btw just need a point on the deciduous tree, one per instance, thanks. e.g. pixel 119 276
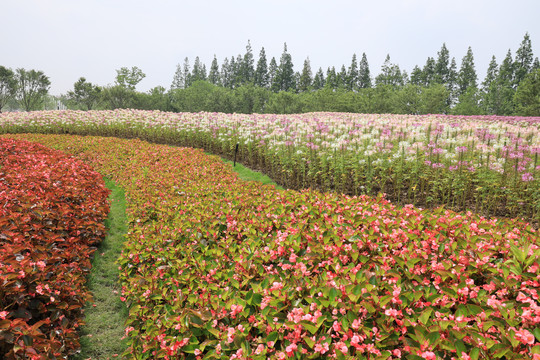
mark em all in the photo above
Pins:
pixel 129 78
pixel 32 87
pixel 85 94
pixel 8 86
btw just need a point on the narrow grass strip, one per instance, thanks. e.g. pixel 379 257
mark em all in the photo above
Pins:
pixel 101 337
pixel 249 175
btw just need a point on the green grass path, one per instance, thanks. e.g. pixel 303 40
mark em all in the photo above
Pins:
pixel 101 336
pixel 247 174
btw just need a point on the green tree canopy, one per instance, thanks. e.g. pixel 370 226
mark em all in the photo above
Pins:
pixel 32 88
pixel 85 94
pixel 527 97
pixel 8 85
pixel 129 78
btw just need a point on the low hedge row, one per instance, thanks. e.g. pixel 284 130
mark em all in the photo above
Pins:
pixel 218 268
pixel 52 208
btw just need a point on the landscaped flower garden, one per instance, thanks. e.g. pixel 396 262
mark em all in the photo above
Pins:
pixel 218 268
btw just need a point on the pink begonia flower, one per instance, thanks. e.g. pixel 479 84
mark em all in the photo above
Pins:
pixel 3 314
pixel 291 349
pixel 525 337
pixel 429 355
pixel 260 349
pixel 321 348
pixel 397 353
pixel 464 356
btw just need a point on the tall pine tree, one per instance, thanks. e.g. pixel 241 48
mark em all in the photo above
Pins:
pixel 352 75
pixel 178 79
pixel 428 72
pixel 364 76
pixel 331 78
pixel 226 79
pixel 272 73
pixel 247 69
pixel 187 74
pixel 318 80
pixel 491 74
pixel 467 74
pixel 213 75
pixel 261 73
pixel 488 100
pixel 285 79
pixel 441 66
pixel 305 80
pixel 524 60
pixel 390 74
pixel 535 65
pixel 417 76
pixel 199 71
pixel 342 77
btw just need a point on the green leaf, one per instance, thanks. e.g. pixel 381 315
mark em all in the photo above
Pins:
pixel 424 317
pixel 309 326
pixel 536 333
pixel 272 336
pixel 256 299
pixel 333 294
pixel 460 347
pixel 433 337
pixel 475 353
pixel 474 309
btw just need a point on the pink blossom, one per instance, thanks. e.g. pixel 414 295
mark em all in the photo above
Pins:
pixel 429 355
pixel 291 349
pixel 3 314
pixel 259 349
pixel 527 177
pixel 321 348
pixel 525 337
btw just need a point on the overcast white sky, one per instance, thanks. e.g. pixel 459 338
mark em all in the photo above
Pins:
pixel 68 39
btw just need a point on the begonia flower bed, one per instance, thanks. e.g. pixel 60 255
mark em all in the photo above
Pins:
pixel 52 212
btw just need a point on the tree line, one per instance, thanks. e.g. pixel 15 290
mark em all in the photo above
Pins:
pixel 242 85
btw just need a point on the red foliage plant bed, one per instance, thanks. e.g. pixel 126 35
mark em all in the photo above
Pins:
pixel 52 209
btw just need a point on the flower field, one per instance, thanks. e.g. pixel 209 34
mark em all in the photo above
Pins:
pixel 52 209
pixel 218 268
pixel 486 164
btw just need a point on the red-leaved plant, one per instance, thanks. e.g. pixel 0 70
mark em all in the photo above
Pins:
pixel 52 209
